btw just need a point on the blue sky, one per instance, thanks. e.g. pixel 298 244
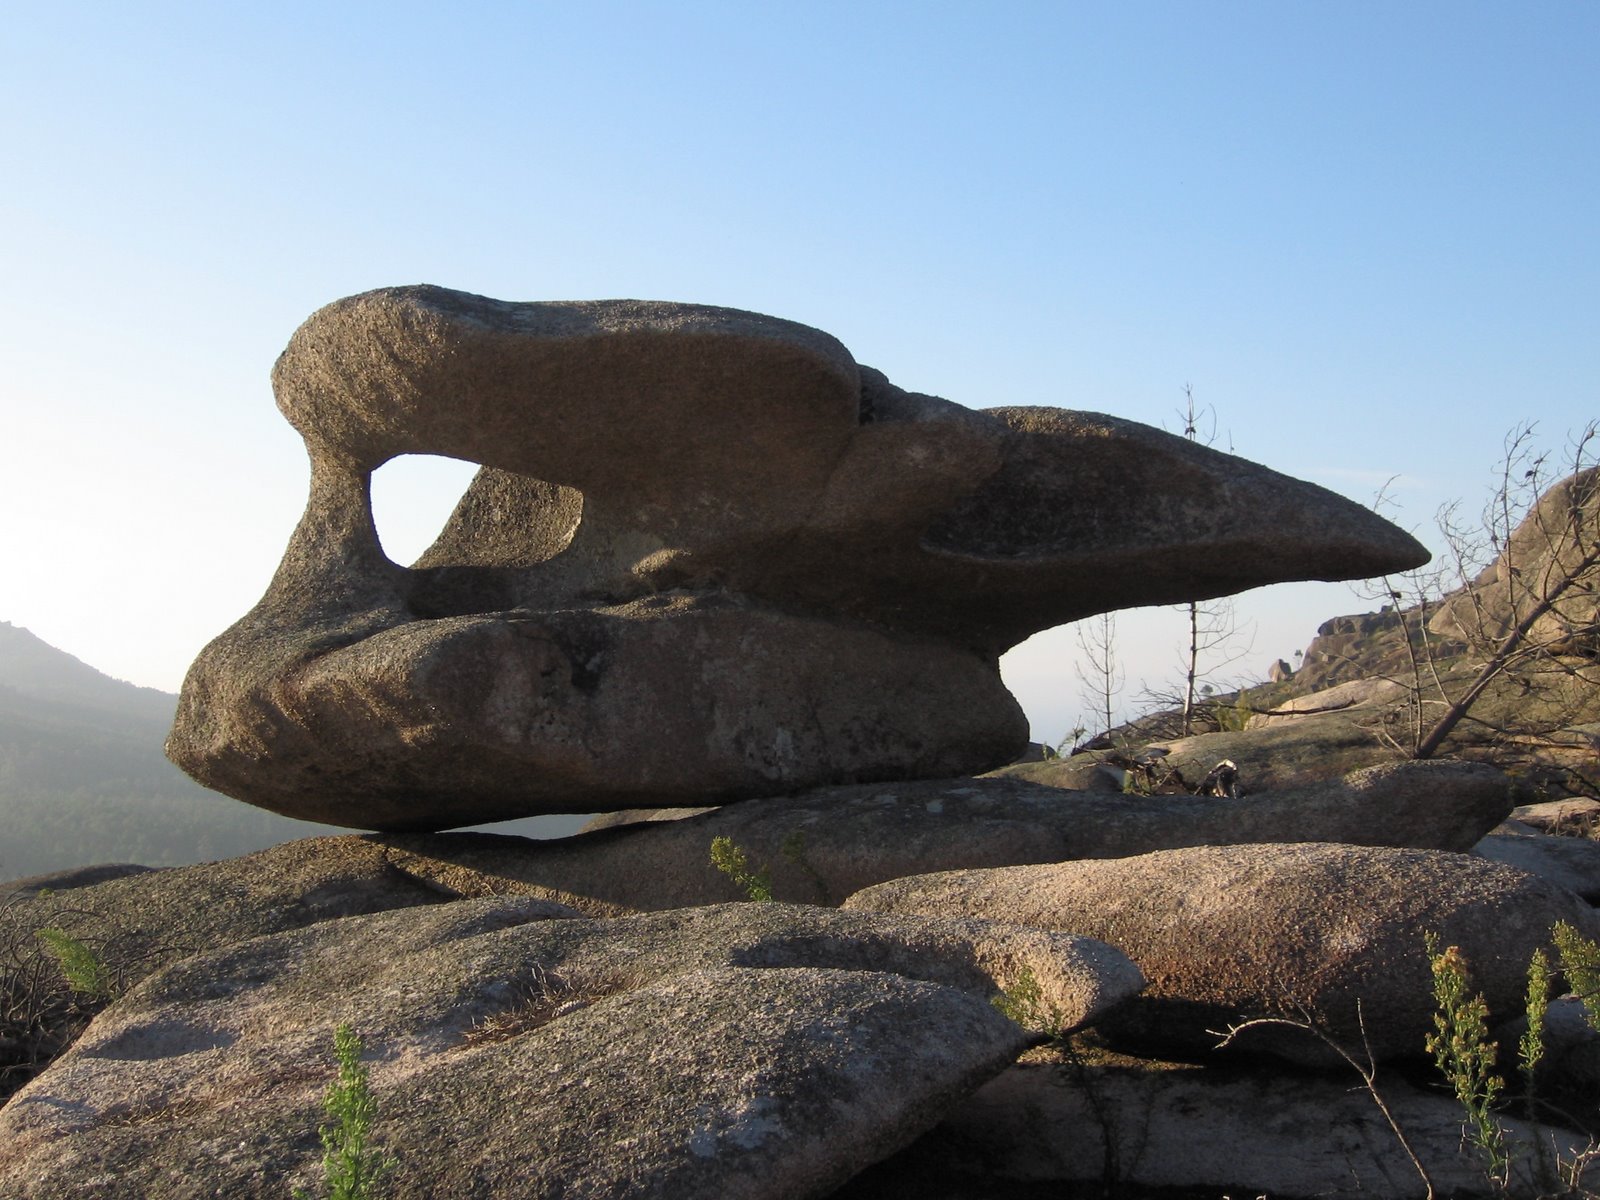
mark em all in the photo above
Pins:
pixel 1365 233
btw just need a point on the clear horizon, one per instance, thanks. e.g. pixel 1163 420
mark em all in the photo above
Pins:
pixel 1366 235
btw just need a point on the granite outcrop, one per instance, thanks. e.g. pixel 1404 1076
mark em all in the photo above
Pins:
pixel 708 555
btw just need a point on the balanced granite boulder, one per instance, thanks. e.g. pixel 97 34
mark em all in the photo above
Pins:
pixel 708 556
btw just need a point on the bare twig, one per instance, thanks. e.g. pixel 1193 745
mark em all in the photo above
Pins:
pixel 1367 1069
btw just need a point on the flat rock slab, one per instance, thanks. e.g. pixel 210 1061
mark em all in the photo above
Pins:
pixel 1569 862
pixel 1202 1131
pixel 1574 812
pixel 141 919
pixel 825 845
pixel 708 555
pixel 1225 933
pixel 746 1050
pixel 1353 694
pixel 70 878
pixel 820 848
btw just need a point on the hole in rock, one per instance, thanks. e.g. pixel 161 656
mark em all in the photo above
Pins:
pixel 412 497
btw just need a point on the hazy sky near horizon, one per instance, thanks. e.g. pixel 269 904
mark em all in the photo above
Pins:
pixel 1365 233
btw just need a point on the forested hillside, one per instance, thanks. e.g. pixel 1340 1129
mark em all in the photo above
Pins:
pixel 83 778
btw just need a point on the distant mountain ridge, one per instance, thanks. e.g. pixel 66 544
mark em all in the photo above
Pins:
pixel 84 779
pixel 66 727
pixel 31 667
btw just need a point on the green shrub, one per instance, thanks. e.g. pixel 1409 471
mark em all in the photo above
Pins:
pixel 1530 1049
pixel 731 861
pixel 84 970
pixel 351 1166
pixel 1023 1002
pixel 1465 1056
pixel 1580 963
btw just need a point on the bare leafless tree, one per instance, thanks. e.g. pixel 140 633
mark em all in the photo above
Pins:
pixel 1531 610
pixel 1215 643
pixel 1099 671
pixel 1213 625
pixel 1511 604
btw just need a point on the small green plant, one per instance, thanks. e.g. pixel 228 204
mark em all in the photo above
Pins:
pixel 793 848
pixel 1465 1056
pixel 53 982
pixel 1530 1048
pixel 351 1166
pixel 1580 963
pixel 728 858
pixel 1232 718
pixel 1530 1052
pixel 1023 1002
pixel 84 970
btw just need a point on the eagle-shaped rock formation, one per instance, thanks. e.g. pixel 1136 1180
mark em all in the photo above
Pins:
pixel 708 556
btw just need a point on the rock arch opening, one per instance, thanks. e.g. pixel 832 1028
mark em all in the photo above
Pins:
pixel 412 498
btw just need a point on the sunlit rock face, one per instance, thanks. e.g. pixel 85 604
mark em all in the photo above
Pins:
pixel 708 556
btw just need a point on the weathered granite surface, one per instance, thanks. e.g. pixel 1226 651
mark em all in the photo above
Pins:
pixel 1043 1127
pixel 823 845
pixel 743 1050
pixel 1332 933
